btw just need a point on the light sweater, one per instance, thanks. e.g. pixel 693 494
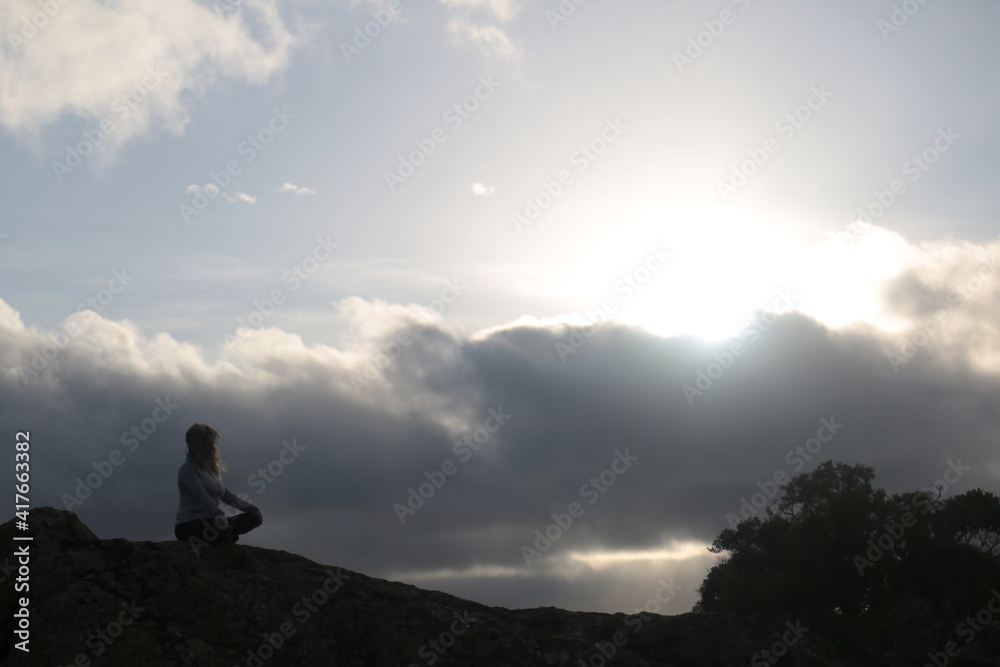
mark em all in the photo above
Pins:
pixel 201 492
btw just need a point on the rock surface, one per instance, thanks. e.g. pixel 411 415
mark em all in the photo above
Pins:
pixel 116 602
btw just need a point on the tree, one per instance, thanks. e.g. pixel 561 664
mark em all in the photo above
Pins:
pixel 972 518
pixel 800 558
pixel 834 546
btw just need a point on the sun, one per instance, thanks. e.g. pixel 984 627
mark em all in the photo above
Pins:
pixel 728 265
pixel 704 269
pixel 723 265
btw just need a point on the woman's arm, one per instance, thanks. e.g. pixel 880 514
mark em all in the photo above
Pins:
pixel 233 500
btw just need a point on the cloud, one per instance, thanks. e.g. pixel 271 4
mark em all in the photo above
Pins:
pixel 240 197
pixel 212 190
pixel 503 10
pixel 476 25
pixel 483 190
pixel 381 415
pixel 295 190
pixel 490 40
pixel 377 320
pixel 151 58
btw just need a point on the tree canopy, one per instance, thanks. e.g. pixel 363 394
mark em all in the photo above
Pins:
pixel 834 546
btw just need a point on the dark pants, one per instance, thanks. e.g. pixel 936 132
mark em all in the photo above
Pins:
pixel 202 532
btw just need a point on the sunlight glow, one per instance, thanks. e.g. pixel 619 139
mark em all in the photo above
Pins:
pixel 727 264
pixel 674 552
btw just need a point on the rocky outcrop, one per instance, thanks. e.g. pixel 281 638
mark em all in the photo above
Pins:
pixel 116 602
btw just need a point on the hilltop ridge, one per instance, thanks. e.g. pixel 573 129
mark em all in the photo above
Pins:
pixel 117 602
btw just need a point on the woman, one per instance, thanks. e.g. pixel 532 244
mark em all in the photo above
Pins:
pixel 199 517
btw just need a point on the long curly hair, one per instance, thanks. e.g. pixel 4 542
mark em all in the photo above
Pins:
pixel 202 447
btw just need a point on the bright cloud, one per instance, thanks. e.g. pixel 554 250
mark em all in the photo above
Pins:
pixel 491 40
pixel 288 188
pixel 724 266
pixel 483 190
pixel 212 190
pixel 503 10
pixel 151 57
pixel 367 448
pixel 240 197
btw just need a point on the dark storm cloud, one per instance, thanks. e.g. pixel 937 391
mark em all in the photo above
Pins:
pixel 350 456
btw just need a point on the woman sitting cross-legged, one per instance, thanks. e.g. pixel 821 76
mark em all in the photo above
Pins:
pixel 200 520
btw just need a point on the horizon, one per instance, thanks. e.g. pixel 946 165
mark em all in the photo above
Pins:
pixel 521 301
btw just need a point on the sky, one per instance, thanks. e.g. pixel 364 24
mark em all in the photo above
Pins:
pixel 519 300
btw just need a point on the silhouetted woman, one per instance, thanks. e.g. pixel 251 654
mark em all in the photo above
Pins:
pixel 199 480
